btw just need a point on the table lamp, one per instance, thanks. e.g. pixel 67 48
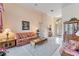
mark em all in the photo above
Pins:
pixel 7 31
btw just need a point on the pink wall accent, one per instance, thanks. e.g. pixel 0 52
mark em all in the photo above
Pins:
pixel 1 22
pixel 1 7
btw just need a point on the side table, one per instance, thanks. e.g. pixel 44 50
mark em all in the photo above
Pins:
pixel 7 44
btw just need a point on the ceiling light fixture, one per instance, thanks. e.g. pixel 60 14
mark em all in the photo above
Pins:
pixel 36 4
pixel 51 10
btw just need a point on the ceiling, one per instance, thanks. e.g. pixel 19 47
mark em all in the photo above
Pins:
pixel 53 9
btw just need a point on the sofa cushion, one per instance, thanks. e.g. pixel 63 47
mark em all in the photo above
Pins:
pixel 72 44
pixel 28 34
pixel 77 45
pixel 24 35
pixel 32 34
pixel 20 35
pixel 17 36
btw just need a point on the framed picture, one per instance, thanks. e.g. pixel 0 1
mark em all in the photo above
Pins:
pixel 25 25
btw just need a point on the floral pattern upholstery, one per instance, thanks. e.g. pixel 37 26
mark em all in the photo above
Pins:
pixel 24 38
pixel 70 48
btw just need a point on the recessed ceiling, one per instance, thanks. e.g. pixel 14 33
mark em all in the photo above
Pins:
pixel 53 9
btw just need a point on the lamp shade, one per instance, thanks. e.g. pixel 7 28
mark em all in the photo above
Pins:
pixel 77 33
pixel 7 31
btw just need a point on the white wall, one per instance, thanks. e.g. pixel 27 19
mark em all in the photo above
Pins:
pixel 70 11
pixel 47 20
pixel 14 14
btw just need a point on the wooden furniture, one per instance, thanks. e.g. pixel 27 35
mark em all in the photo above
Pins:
pixel 7 44
pixel 70 28
pixel 37 41
pixel 66 54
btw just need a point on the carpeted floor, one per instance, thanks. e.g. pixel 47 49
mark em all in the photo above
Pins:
pixel 46 49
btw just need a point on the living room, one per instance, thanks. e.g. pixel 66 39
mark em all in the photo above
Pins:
pixel 39 29
pixel 22 19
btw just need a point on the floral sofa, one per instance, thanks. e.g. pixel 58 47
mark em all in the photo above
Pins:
pixel 24 38
pixel 70 48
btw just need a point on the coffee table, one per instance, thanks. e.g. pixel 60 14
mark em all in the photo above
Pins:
pixel 37 41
